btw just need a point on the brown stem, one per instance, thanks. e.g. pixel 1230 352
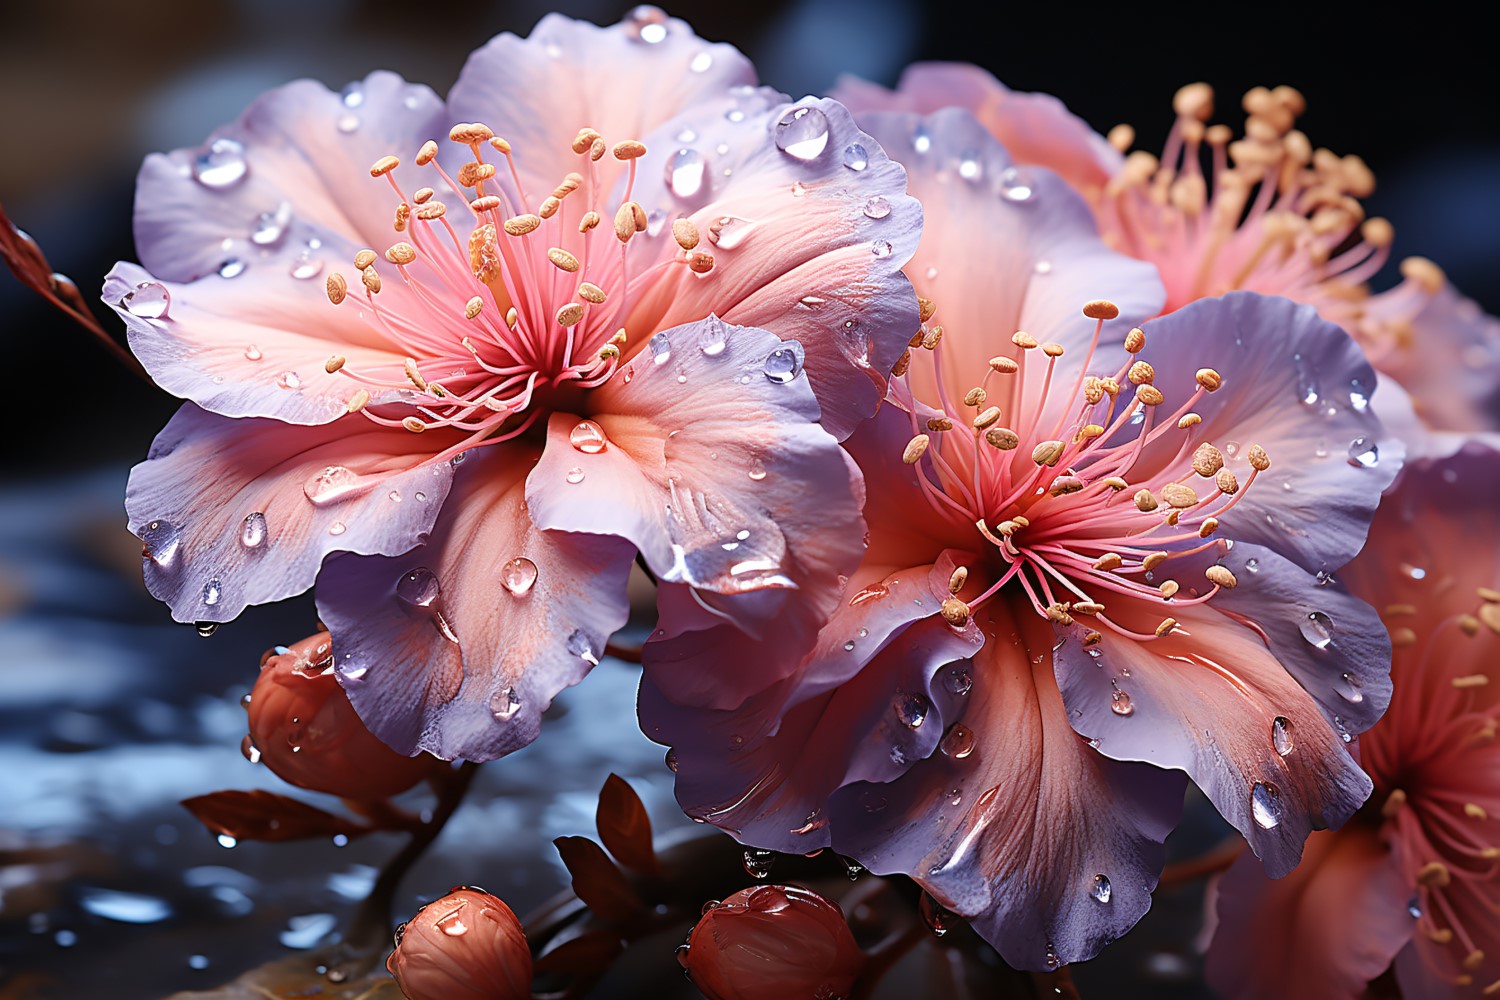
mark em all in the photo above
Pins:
pixel 1212 862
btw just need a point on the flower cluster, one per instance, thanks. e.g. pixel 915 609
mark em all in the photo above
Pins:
pixel 996 482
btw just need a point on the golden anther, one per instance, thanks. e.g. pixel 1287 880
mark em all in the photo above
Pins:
pixel 1423 272
pixel 484 252
pixel 1207 527
pixel 502 146
pixel 931 337
pixel 469 133
pixel 488 203
pixel 1004 366
pixel 597 150
pixel 1166 626
pixel 1093 389
pixel 432 210
pixel 975 397
pixel 1441 935
pixel 1101 309
pixel 569 184
pixel 1402 637
pixel 624 223
pixel 1110 386
pixel 1149 395
pixel 1493 989
pixel 1122 137
pixel 1135 340
pixel 1108 561
pixel 1490 615
pixel 619 336
pixel 1023 340
pixel 1394 610
pixel 549 206
pixel 570 314
pixel 1188 420
pixel 700 262
pixel 1489 594
pixel 1220 576
pixel 563 260
pixel 1259 460
pixel 384 165
pixel 371 279
pixel 1153 560
pixel 1093 638
pixel 685 233
pixel 1393 803
pixel 1115 483
pixel 1179 495
pixel 410 365
pixel 1196 100
pixel 364 259
pixel 1087 608
pixel 1169 589
pixel 427 153
pixel 939 424
pixel 915 449
pixel 590 292
pixel 1474 959
pixel 520 225
pixel 925 309
pixel 337 288
pixel 1207 460
pixel 413 424
pixel 589 221
pixel 1063 485
pixel 903 363
pixel 1002 438
pixel 1173 516
pixel 1052 350
pixel 358 400
pixel 1008 527
pixel 401 253
pixel 1475 811
pixel 1470 681
pixel 584 141
pixel 334 363
pixel 1209 379
pixel 1141 373
pixel 1048 453
pixel 512 317
pixel 473 307
pixel 958 579
pixel 403 217
pixel 1088 432
pixel 1434 875
pixel 639 214
pixel 1226 482
pixel 608 352
pixel 1059 613
pixel 956 612
pixel 1145 501
pixel 630 149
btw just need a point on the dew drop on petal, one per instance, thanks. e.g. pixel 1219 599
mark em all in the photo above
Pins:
pixel 588 438
pixel 578 644
pixel 518 576
pixel 1101 889
pixel 348 123
pixel 1317 629
pixel 881 248
pixel 1265 805
pixel 957 742
pixel 1282 735
pixel 877 207
pixel 160 539
pixel 253 530
pixel 220 165
pixel 912 709
pixel 728 231
pixel 148 300
pixel 1120 703
pixel 305 266
pixel 574 476
pixel 270 227
pixel 232 267
pixel 1252 565
pixel 938 918
pixel 1363 453
pixel 288 380
pixel 1017 185
pixel 856 157
pixel 969 167
pixel 212 591
pixel 353 95
pixel 958 679
pixel 785 363
pixel 758 862
pixel 419 588
pixel 1350 689
pixel 207 629
pixel 504 704
pixel 757 470
pixel 647 24
pixel 671 759
pixel 660 347
pixel 701 62
pixel 333 484
pixel 920 140
pixel 802 133
pixel 252 353
pixel 684 172
pixel 713 338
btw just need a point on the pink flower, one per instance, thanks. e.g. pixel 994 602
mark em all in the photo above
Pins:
pixel 1413 880
pixel 772 942
pixel 466 946
pixel 303 728
pixel 634 311
pixel 1264 212
pixel 1093 548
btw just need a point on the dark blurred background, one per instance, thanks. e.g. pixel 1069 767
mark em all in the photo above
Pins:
pixel 109 713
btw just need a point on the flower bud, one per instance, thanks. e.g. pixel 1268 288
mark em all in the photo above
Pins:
pixel 772 942
pixel 303 728
pixel 466 946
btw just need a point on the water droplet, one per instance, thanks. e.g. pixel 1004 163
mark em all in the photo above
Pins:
pixel 1120 703
pixel 1363 453
pixel 1017 185
pixel 1265 805
pixel 734 115
pixel 1350 689
pixel 1359 396
pixel 160 539
pixel 757 470
pixel 226 841
pixel 422 496
pixel 574 476
pixel 856 157
pixel 337 528
pixel 305 266
pixel 701 62
pixel 1307 382
pixel 802 133
pixel 419 588
pixel 206 629
pixel 588 438
pixel 1252 565
pixel 578 644
pixel 288 380
pixel 785 363
pixel 252 353
pixel 660 347
pixel 220 164
pixel 939 919
pixel 958 741
pixel 968 165
pixel 920 140
pixel 504 704
pixel 881 248
pixel 671 759
pixel 758 862
pixel 1101 889
pixel 148 300
pixel 713 338
pixel 270 227
pixel 518 576
pixel 1282 733
pixel 212 591
pixel 728 231
pixel 1344 733
pixel 1414 908
pixel 124 907
pixel 232 267
pixel 452 925
pixel 1050 959
pixel 250 750
pixel 348 123
pixel 958 679
pixel 684 172
pixel 1317 629
pixel 912 709
pixel 647 24
pixel 333 484
pixel 199 962
pixel 877 207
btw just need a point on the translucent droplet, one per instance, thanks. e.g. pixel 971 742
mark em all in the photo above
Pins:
pixel 1252 565
pixel 305 266
pixel 1120 703
pixel 1414 908
pixel 574 476
pixel 1101 889
pixel 1350 689
pixel 231 267
pixel 1359 396
pixel 881 248
pixel 1017 185
pixel 1344 733
pixel 671 759
pixel 504 704
pixel 920 140
pixel 1363 453
pixel 1307 382
pixel 938 918
pixel 849 646
pixel 912 709
pixel 660 347
pixel 877 207
pixel 333 484
pixel 1282 733
pixel 1043 267
pixel 348 123
pixel 701 62
pixel 206 629
pixel 220 164
pixel 856 157
pixel 452 925
pixel 713 338
pixel 757 470
pixel 252 353
pixel 968 165
pixel 588 438
pixel 1265 805
pixel 353 95
pixel 226 841
pixel 1317 629
pixel 250 750
pixel 728 231
pixel 578 644
pixel 288 380
pixel 758 862
pixel 785 363
pixel 1050 959
pixel 148 300
pixel 159 540
pixel 271 227
pixel 419 588
pixel 802 133
pixel 958 741
pixel 647 24
pixel 958 679
pixel 684 172
pixel 212 591
pixel 518 576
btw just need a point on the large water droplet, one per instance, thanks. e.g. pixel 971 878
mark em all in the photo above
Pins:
pixel 958 679
pixel 684 172
pixel 958 741
pixel 1363 453
pixel 1101 889
pixel 969 167
pixel 206 629
pixel 647 24
pixel 938 918
pixel 1120 703
pixel 921 141
pixel 212 591
pixel 701 62
pixel 148 300
pixel 578 644
pixel 253 530
pixel 881 248
pixel 1282 735
pixel 574 476
pixel 452 925
pixel 758 862
pixel 728 231
pixel 220 164
pixel 518 576
pixel 1265 805
pixel 660 347
pixel 253 353
pixel 912 709
pixel 160 539
pixel 504 704
pixel 1317 629
pixel 271 227
pixel 757 470
pixel 856 157
pixel 419 588
pixel 671 759
pixel 588 438
pixel 1017 185
pixel 877 207
pixel 1307 383
pixel 232 267
pixel 1350 689
pixel 785 363
pixel 333 484
pixel 305 266
pixel 802 133
pixel 348 123
pixel 714 337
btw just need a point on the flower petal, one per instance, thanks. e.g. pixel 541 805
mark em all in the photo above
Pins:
pixel 1036 128
pixel 1050 848
pixel 240 512
pixel 1325 930
pixel 458 646
pixel 808 224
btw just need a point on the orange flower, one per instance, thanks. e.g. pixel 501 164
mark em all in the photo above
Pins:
pixel 466 945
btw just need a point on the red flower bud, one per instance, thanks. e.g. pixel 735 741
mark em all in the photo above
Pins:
pixel 303 728
pixel 466 946
pixel 772 942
